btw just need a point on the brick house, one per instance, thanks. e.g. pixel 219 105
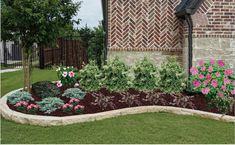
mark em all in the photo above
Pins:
pixel 138 28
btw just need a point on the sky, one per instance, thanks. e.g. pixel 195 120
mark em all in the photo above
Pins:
pixel 90 13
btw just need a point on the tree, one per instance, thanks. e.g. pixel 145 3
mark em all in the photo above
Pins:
pixel 35 21
pixel 96 46
pixel 85 36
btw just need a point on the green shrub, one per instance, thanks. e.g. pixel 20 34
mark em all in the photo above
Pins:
pixel 49 105
pixel 144 75
pixel 171 76
pixel 45 89
pixel 74 93
pixel 89 77
pixel 19 96
pixel 116 76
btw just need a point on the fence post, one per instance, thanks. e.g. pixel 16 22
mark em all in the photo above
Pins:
pixel 41 58
pixel 4 53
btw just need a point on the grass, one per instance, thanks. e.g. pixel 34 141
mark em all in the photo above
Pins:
pixel 14 80
pixel 143 128
pixel 148 128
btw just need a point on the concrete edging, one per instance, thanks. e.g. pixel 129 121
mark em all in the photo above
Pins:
pixel 18 117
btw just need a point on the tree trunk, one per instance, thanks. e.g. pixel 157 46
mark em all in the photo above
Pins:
pixel 26 61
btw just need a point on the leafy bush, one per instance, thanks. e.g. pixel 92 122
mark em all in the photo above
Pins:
pixel 67 75
pixel 74 93
pixel 144 75
pixel 155 98
pixel 171 76
pixel 103 101
pixel 116 76
pixel 89 77
pixel 45 89
pixel 51 104
pixel 216 81
pixel 130 99
pixel 19 96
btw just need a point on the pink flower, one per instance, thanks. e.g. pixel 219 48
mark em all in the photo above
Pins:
pixel 78 107
pixel 74 100
pixel 233 92
pixel 76 85
pixel 193 71
pixel 67 106
pixel 226 81
pixel 71 74
pixel 205 91
pixel 228 72
pixel 196 83
pixel 65 73
pixel 214 83
pixel 217 74
pixel 220 94
pixel 212 61
pixel 24 103
pixel 32 106
pixel 221 63
pixel 233 83
pixel 201 62
pixel 201 76
pixel 205 82
pixel 203 68
pixel 59 84
pixel 208 76
pixel 223 88
pixel 210 69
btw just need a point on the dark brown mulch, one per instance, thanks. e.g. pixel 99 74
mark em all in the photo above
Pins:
pixel 198 101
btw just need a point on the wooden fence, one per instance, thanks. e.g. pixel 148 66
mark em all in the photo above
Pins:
pixel 67 52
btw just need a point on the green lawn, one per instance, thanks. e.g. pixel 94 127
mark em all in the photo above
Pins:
pixel 14 80
pixel 143 128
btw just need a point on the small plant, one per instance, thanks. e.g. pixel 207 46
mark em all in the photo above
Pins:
pixel 44 89
pixel 144 75
pixel 216 81
pixel 130 99
pixel 32 108
pixel 89 77
pixel 116 76
pixel 21 106
pixel 155 98
pixel 103 101
pixel 19 96
pixel 172 76
pixel 67 108
pixel 67 75
pixel 79 109
pixel 74 93
pixel 183 101
pixel 49 105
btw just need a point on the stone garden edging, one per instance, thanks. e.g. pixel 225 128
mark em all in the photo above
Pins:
pixel 18 117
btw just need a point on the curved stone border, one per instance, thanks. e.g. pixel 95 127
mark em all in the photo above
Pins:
pixel 9 114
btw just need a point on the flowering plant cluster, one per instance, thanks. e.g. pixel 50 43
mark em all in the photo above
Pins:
pixel 67 76
pixel 216 81
pixel 24 106
pixel 73 105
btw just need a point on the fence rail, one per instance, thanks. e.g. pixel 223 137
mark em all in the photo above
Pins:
pixel 11 55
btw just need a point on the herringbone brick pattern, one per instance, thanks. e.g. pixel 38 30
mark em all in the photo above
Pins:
pixel 144 25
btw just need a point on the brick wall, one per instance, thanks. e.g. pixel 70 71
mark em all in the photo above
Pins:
pixel 151 26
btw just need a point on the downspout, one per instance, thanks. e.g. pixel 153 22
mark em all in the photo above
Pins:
pixel 190 42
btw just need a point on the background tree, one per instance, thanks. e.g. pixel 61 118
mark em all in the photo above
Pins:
pixel 96 46
pixel 35 21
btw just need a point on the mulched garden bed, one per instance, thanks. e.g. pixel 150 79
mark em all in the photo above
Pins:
pixel 198 102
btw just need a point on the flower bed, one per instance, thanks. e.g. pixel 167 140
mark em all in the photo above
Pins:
pixel 92 90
